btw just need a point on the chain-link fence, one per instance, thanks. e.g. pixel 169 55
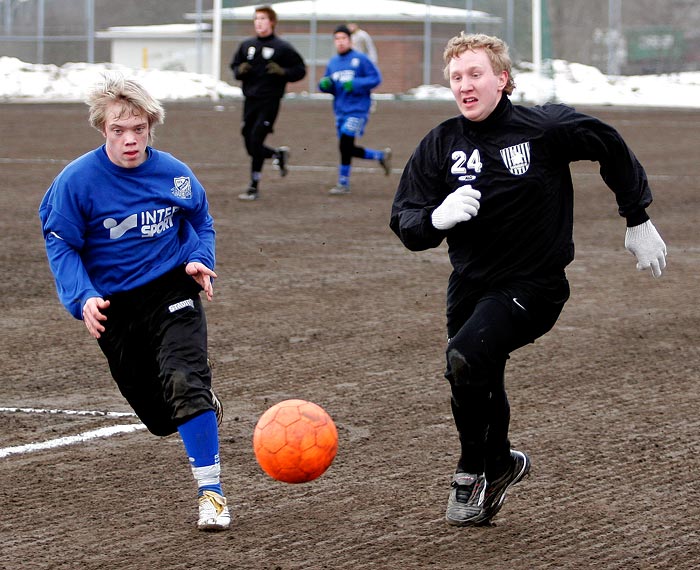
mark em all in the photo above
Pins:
pixel 619 37
pixel 616 36
pixel 43 31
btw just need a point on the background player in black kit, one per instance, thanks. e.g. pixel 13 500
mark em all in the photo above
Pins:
pixel 265 64
pixel 495 182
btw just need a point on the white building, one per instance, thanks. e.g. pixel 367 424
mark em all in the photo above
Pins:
pixel 409 37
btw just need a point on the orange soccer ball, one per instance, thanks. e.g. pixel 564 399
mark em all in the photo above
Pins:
pixel 295 441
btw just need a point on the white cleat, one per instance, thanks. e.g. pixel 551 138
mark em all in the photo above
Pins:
pixel 213 512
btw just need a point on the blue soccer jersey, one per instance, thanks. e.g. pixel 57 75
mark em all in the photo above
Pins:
pixel 110 229
pixel 353 77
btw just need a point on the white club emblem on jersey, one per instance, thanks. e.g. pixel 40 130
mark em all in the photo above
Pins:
pixel 183 188
pixel 267 52
pixel 517 158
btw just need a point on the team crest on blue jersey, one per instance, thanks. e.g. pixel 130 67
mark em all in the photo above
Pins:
pixel 517 158
pixel 183 187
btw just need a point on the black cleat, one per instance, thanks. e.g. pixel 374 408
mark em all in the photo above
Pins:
pixel 496 491
pixel 465 506
pixel 249 195
pixel 282 159
pixel 339 190
pixel 385 161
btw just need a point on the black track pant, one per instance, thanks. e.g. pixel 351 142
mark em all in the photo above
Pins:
pixel 259 116
pixel 484 327
pixel 155 341
pixel 349 150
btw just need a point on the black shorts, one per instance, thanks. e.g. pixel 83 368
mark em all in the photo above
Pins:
pixel 259 115
pixel 155 341
pixel 535 303
pixel 486 325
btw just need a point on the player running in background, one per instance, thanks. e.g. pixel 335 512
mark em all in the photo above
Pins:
pixel 350 77
pixel 264 64
pixel 363 42
pixel 495 182
pixel 130 242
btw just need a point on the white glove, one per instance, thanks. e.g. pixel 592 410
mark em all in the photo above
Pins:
pixel 460 206
pixel 647 246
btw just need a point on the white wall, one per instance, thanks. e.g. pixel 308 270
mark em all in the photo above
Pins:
pixel 163 53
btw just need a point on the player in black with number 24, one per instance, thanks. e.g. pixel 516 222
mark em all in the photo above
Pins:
pixel 495 182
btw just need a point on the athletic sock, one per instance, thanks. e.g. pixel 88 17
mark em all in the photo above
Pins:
pixel 200 436
pixel 372 154
pixel 344 174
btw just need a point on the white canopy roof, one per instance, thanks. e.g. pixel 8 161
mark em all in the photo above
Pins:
pixel 359 11
pixel 155 31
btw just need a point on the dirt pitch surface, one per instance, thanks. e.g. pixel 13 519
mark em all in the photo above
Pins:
pixel 318 300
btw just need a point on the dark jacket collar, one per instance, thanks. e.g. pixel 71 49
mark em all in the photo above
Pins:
pixel 501 113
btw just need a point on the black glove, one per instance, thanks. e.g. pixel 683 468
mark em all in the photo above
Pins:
pixel 274 68
pixel 244 68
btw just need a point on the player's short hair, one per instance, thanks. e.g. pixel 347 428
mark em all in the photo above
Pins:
pixel 496 50
pixel 133 98
pixel 342 29
pixel 270 13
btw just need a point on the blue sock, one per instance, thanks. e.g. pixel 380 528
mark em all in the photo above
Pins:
pixel 372 154
pixel 200 435
pixel 344 174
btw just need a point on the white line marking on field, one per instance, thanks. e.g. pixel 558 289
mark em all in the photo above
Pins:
pixel 70 440
pixel 71 412
pixel 79 438
pixel 5 160
pixel 200 165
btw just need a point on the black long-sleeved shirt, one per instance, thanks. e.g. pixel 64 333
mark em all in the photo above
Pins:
pixel 518 158
pixel 258 52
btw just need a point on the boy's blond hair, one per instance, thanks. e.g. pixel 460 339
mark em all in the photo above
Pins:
pixel 134 100
pixel 496 50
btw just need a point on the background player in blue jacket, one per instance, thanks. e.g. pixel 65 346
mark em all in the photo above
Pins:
pixel 495 182
pixel 130 242
pixel 264 64
pixel 350 76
